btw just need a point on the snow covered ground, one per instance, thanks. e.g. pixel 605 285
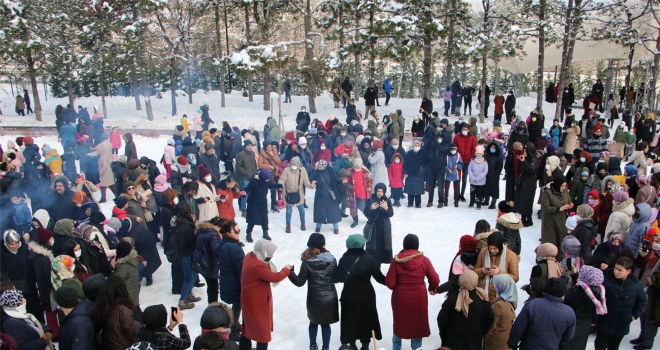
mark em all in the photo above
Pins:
pixel 439 229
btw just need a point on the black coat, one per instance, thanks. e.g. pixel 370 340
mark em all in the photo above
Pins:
pixel 303 120
pixel 322 302
pixel 60 206
pixel 526 185
pixel 347 86
pixel 14 266
pixel 165 216
pixel 326 210
pixel 460 332
pixel 26 337
pixel 495 165
pixel 509 171
pixel 230 258
pixel 380 245
pixel 145 245
pixel 516 137
pixel 437 153
pixel 359 315
pixel 77 329
pixel 413 167
pixel 257 201
pixel 370 97
pixel 185 237
pixel 584 232
pixel 584 310
pixel 510 103
pixel 38 269
pixel 535 128
pixel 211 162
pixel 625 299
pixel 205 258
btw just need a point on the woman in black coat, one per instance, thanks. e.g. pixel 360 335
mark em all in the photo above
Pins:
pixel 583 306
pixel 495 165
pixel 319 267
pixel 205 258
pixel 184 240
pixel 526 185
pixel 378 210
pixel 257 203
pixel 519 134
pixel 359 315
pixel 38 278
pixel 230 258
pixel 413 166
pixel 326 209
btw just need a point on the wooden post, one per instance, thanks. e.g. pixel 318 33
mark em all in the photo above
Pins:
pixel 271 110
pixel 279 107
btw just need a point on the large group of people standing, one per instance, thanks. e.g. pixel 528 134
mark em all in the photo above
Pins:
pixel 72 273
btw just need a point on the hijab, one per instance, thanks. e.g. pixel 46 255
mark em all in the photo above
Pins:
pixel 495 239
pixel 468 281
pixel 155 321
pixel 264 249
pixel 548 252
pixel 505 287
pixel 557 182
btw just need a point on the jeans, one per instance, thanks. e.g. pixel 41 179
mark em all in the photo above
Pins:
pixel 188 277
pixel 649 331
pixel 605 341
pixel 415 343
pixel 335 225
pixel 397 194
pixel 387 98
pixel 360 204
pixel 287 96
pixel 325 334
pixel 464 177
pixel 243 201
pixel 301 212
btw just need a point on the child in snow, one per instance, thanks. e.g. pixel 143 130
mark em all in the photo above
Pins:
pixel 395 174
pixel 168 157
pixel 322 153
pixel 509 225
pixel 185 123
pixel 178 146
pixel 115 141
pixel 21 215
pixel 477 171
pixel 592 198
pixel 228 191
pixel 453 175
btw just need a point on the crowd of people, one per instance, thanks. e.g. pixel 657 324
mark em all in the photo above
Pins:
pixel 73 274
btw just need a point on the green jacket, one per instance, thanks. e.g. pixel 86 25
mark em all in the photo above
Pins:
pixel 577 190
pixel 620 135
pixel 127 270
pixel 274 132
pixel 246 166
pixel 631 139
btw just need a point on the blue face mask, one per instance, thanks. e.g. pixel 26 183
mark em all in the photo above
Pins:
pixel 193 161
pixel 493 150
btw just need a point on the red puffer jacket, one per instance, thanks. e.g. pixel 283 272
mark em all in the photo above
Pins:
pixel 395 172
pixel 466 145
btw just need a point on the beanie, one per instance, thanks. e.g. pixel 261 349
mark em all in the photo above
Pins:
pixel 43 235
pixel 316 240
pixel 504 207
pixel 203 171
pixel 128 184
pixel 182 160
pixel 66 297
pixel 377 144
pixel 123 249
pixel 302 140
pixel 571 222
pixel 619 197
pixel 114 223
pixel 593 193
pixel 264 174
pixel 585 211
pixel 120 201
pixel 96 217
pixel 555 287
pixel 28 140
pixel 480 149
pixel 92 286
pixel 598 128
pixel 468 244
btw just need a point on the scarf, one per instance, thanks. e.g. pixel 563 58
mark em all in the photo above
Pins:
pixel 502 267
pixel 262 250
pixel 20 313
pixel 86 232
pixel 61 269
pixel 601 306
pixel 547 252
pixel 468 281
pixel 505 287
pixel 160 188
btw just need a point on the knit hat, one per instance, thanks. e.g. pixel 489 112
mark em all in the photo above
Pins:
pixel 96 217
pixel 619 197
pixel 120 202
pixel 114 223
pixel 468 244
pixel 642 180
pixel 571 246
pixel 585 211
pixel 248 143
pixel 572 222
pixel 123 249
pixel 504 207
pixel 316 240
pixel 264 174
pixel 555 287
pixel 11 298
pixel 182 160
pixel 203 171
pixel 614 235
pixel 302 140
pixel 598 128
pixel 584 173
pixel 66 297
pixel 313 131
pixel 593 193
pixel 355 241
pixel 592 276
pixel 377 144
pixel 480 149
pixel 28 140
pixel 444 121
pixel 553 161
pixel 43 235
pixel 92 286
pixel 162 179
pixel 128 184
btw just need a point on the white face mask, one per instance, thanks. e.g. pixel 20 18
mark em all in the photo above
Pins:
pixel 294 168
pixel 397 161
pixel 416 149
pixel 302 110
pixel 582 159
pixel 464 133
pixel 303 146
pixel 395 146
pixel 656 247
pixel 51 241
pixel 322 148
pixel 77 253
pixel 175 201
pixel 601 161
pixel 208 178
pixel 453 151
pixel 439 140
pixel 547 167
pixel 343 134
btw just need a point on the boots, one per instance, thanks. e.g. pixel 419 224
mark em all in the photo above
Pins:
pixel 235 334
pixel 266 236
pixel 191 298
pixel 429 204
pixel 183 305
pixel 248 237
pixel 355 222
pixel 317 230
pixel 288 229
pixel 492 205
pixel 314 347
pixel 441 204
pixel 336 231
pixel 302 226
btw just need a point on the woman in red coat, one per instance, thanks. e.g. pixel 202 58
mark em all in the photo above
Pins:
pixel 409 299
pixel 499 105
pixel 322 153
pixel 256 297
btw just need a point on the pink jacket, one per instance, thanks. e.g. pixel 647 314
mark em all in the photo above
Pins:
pixel 115 139
pixel 197 120
pixel 168 155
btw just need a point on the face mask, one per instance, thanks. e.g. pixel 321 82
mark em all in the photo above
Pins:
pixel 601 161
pixel 439 140
pixel 416 149
pixel 547 167
pixel 592 202
pixel 493 150
pixel 464 133
pixel 478 157
pixel 321 134
pixel 175 201
pixel 303 111
pixel 601 175
pixel 16 202
pixel 656 247
pixel 77 253
pixel 543 134
pixel 343 134
pixel 208 178
pixel 397 161
pixel 453 152
pixel 582 159
pixel 357 169
pixel 294 168
pixel 395 146
pixel 521 130
pixel 193 162
pixel 303 146
pixel 22 309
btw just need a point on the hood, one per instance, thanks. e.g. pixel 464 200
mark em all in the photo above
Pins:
pixel 130 259
pixel 484 235
pixel 644 213
pixel 625 206
pixel 37 248
pixel 610 178
pixel 408 259
pixel 381 186
pixel 498 153
pixel 395 155
pixel 510 221
pixel 473 121
pixel 42 217
pixel 216 315
pixel 325 257
pixel 394 117
pixel 272 123
pixel 58 178
pixel 128 136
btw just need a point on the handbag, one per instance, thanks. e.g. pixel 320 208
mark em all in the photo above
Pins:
pixel 332 193
pixel 294 198
pixel 368 232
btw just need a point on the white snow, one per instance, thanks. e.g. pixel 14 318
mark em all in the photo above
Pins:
pixel 439 230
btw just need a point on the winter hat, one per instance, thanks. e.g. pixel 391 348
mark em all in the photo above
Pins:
pixel 444 121
pixel 161 179
pixel 434 113
pixel 496 239
pixel 96 217
pixel 468 244
pixel 170 142
pixel 555 287
pixel 619 197
pixel 593 193
pixel 213 130
pixel 480 149
pixel 584 173
pixel 642 180
pixel 504 207
pixel 215 316
pixel 179 127
pixel 571 246
pixel 43 235
pixel 592 276
pixel 411 241
pixel 355 241
pixel 233 134
pixel 115 223
pixel 571 222
pixel 598 128
pixel 11 298
pixel 264 174
pixel 28 140
pixel 316 240
pixel 302 140
pixel 79 198
pixel 203 171
pixel 614 235
pixel 155 317
pixel 66 297
pixel 182 160
pixel 453 146
pixel 128 184
pixel 46 148
pixel 377 144
pixel 585 211
pixel 120 202
pixel 553 161
pixel 123 249
pixel 92 286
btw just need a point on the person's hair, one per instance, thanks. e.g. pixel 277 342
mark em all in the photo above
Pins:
pixel 190 187
pixel 212 341
pixel 310 253
pixel 625 262
pixel 183 210
pixel 69 246
pixel 536 287
pixel 170 194
pixel 372 113
pixel 113 293
pixel 218 222
pixel 228 226
pixel 481 226
pixel 642 146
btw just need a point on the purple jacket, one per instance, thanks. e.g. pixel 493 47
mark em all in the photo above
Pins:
pixel 478 172
pixel 447 95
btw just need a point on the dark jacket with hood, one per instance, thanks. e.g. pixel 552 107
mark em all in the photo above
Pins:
pixel 205 256
pixel 38 278
pixel 526 183
pixel 129 149
pixel 543 323
pixel 495 166
pixel 77 328
pixel 230 259
pixel 60 206
pixel 322 301
pixel 625 299
pixel 26 337
pixel 509 225
pixel 216 315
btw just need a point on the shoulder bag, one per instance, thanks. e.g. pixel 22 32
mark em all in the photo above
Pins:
pixel 294 198
pixel 332 193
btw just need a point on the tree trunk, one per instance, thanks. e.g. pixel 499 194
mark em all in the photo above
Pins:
pixel 356 53
pixel 219 46
pixel 35 89
pixel 190 91
pixel 173 85
pixel 309 61
pixel 69 86
pixel 450 51
pixel 482 101
pixel 102 90
pixel 266 89
pixel 400 87
pixel 342 66
pixel 654 73
pixel 539 78
pixel 247 38
pixel 572 12
pixel 427 67
pixel 134 82
pixel 145 87
pixel 413 76
pixel 280 120
pixel 372 49
pixel 631 53
pixel 250 96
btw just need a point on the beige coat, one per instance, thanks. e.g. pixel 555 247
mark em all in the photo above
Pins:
pixel 269 162
pixel 290 184
pixel 621 217
pixel 104 150
pixel 209 210
pixel 511 269
pixel 498 334
pixel 571 139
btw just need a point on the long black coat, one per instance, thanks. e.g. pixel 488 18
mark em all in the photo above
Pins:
pixel 322 302
pixel 495 165
pixel 465 333
pixel 584 308
pixel 517 137
pixel 257 202
pixel 509 170
pixel 60 206
pixel 38 269
pixel 145 245
pixel 359 315
pixel 526 185
pixel 14 266
pixel 326 210
pixel 205 258
pixel 380 245
pixel 413 167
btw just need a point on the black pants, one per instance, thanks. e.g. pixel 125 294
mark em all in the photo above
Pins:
pixel 526 219
pixel 417 198
pixel 246 344
pixel 476 193
pixel 263 227
pixel 437 178
pixel 236 313
pixel 211 288
pixel 377 102
pixel 229 165
pixel 29 108
pixel 605 341
pixel 21 112
pixel 464 177
pixel 447 105
pixel 498 116
pixel 273 199
pixel 465 108
pixel 387 98
pixel 508 114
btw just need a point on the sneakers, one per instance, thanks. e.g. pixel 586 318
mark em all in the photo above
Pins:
pixel 302 226
pixel 275 211
pixel 183 305
pixel 288 229
pixel 191 298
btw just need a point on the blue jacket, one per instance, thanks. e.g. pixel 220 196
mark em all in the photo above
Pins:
pixel 205 255
pixel 639 228
pixel 452 160
pixel 387 87
pixel 543 324
pixel 77 329
pixel 22 215
pixel 67 132
pixel 26 337
pixel 230 258
pixel 625 299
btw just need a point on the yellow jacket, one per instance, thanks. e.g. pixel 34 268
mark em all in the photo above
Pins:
pixel 184 122
pixel 54 162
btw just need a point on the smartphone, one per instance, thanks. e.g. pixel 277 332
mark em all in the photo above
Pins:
pixel 569 262
pixel 645 245
pixel 487 268
pixel 173 308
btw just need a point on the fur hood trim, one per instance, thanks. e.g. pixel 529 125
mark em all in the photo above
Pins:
pixel 408 258
pixel 38 249
pixel 131 255
pixel 227 310
pixel 484 235
pixel 207 226
pixel 510 221
pixel 623 205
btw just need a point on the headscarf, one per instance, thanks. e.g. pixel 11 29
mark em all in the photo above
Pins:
pixel 155 320
pixel 495 239
pixel 411 241
pixel 592 277
pixel 85 231
pixel 12 304
pixel 355 241
pixel 548 252
pixel 321 163
pixel 12 236
pixel 505 288
pixel 553 162
pixel 557 182
pixel 264 249
pixel 63 227
pixel 468 281
pixel 61 269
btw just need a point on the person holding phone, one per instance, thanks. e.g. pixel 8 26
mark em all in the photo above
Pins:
pixel 378 210
pixel 156 332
